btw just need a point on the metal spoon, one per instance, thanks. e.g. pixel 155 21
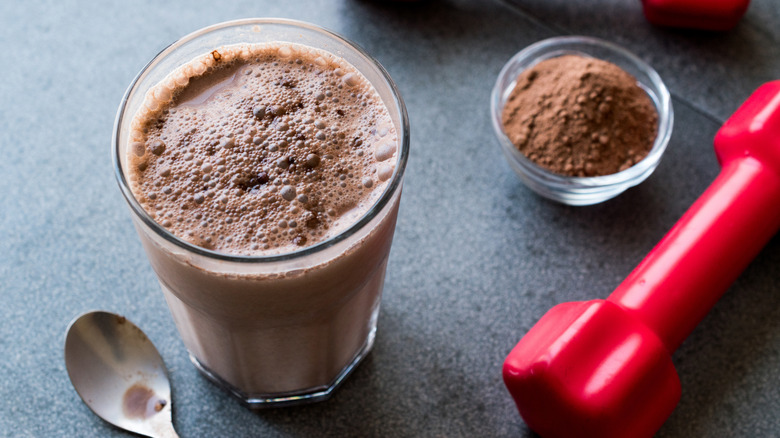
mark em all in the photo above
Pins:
pixel 119 374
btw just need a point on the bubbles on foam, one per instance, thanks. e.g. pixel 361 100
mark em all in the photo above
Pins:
pixel 384 172
pixel 385 151
pixel 323 142
pixel 157 147
pixel 287 193
pixel 138 148
pixel 285 51
pixel 163 93
pixel 351 79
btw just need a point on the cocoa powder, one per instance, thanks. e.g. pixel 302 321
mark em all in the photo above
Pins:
pixel 580 116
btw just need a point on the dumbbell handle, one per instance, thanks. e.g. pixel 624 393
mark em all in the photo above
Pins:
pixel 686 273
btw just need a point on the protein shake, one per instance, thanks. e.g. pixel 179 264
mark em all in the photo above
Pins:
pixel 267 175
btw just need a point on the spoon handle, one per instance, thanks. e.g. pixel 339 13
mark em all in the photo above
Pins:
pixel 163 428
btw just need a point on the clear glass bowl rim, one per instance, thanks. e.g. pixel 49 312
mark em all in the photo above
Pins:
pixel 559 182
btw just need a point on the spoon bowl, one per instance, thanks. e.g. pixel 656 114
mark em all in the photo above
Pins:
pixel 119 374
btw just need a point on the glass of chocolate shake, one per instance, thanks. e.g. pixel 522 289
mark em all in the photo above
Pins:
pixel 263 160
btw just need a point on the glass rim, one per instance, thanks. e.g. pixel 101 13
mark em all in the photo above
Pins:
pixel 536 52
pixel 392 187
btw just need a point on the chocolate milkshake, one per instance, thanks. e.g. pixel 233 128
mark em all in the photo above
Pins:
pixel 265 177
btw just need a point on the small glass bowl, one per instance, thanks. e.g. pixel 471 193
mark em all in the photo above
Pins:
pixel 581 190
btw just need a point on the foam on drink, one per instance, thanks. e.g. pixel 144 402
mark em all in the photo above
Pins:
pixel 261 149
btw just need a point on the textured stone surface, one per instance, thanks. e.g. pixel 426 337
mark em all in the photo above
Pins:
pixel 477 257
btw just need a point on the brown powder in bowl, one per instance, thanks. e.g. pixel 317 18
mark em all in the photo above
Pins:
pixel 580 116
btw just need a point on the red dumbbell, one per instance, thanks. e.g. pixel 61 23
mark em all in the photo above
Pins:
pixel 603 368
pixel 698 14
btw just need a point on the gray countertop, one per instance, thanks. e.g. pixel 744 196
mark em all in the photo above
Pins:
pixel 477 258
